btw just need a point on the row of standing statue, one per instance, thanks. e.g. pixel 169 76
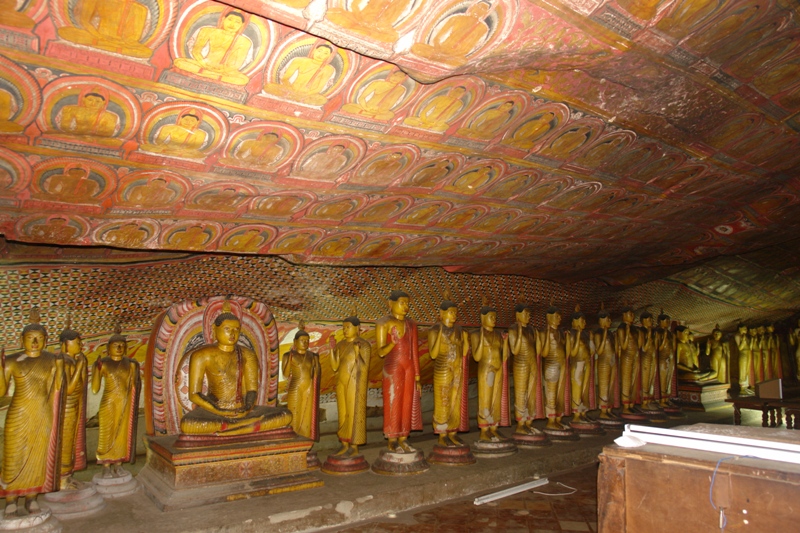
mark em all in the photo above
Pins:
pixel 558 374
pixel 45 428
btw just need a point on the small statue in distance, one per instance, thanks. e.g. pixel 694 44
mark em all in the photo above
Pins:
pixel 302 370
pixel 746 370
pixel 665 342
pixel 719 352
pixel 119 406
pixel 33 424
pixel 687 355
pixel 628 340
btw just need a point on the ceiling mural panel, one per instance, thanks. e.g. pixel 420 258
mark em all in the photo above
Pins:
pixel 572 140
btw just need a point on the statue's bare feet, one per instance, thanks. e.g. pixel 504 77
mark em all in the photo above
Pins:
pixel 11 510
pixel 406 447
pixel 443 440
pixel 553 424
pixel 393 447
pixel 119 471
pixel 32 506
pixel 522 429
pixel 496 435
pixel 455 440
pixel 485 435
pixel 69 483
pixel 343 451
pixel 107 473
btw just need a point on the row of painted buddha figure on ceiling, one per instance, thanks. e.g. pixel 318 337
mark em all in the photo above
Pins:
pixel 304 74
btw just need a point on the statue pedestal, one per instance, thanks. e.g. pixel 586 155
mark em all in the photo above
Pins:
pixel 634 417
pixel 178 478
pixel 312 461
pixel 611 423
pixel 531 440
pixel 673 411
pixel 345 465
pixel 452 455
pixel 115 487
pixel 587 427
pixel 561 434
pixel 41 522
pixel 400 464
pixel 702 396
pixel 493 449
pixel 74 503
pixel 654 415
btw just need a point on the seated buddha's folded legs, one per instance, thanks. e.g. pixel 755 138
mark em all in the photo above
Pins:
pixel 202 422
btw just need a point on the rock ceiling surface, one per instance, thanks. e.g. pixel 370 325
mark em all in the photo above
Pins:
pixel 624 141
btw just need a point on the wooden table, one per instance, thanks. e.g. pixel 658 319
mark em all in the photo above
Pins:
pixel 772 410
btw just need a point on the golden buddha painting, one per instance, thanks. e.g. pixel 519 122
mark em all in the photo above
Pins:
pixel 20 97
pixel 15 173
pixel 89 110
pixel 414 248
pixel 545 189
pixel 385 166
pixel 471 180
pixel 462 30
pixel 221 43
pixel 54 229
pixel 264 147
pixel 461 218
pixel 247 238
pixel 338 245
pixel 282 206
pixel 307 70
pixel 535 126
pixel 336 208
pixel 190 236
pixel 512 185
pixel 220 197
pixel 132 28
pixel 295 242
pixel 381 210
pixel 329 159
pixel 151 189
pixel 74 182
pixel 440 108
pixel 424 213
pixel 491 119
pixel 431 172
pixel 380 93
pixel 494 222
pixel 603 148
pixel 379 20
pixel 183 130
pixel 569 140
pixel 133 234
pixel 378 247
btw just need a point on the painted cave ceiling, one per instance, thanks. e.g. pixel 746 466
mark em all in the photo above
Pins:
pixel 623 141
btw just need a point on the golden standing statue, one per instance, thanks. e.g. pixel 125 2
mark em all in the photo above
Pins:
pixel 628 340
pixel 448 347
pixel 719 352
pixel 742 341
pixel 775 367
pixel 607 367
pixel 794 341
pixel 33 424
pixel 528 397
pixel 119 406
pixel 666 345
pixel 301 368
pixel 648 362
pixel 490 350
pixel 73 441
pixel 231 372
pixel 350 361
pixel 552 350
pixel 580 368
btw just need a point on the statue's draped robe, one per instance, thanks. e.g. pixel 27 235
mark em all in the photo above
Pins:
pixel 401 401
pixel 118 414
pixel 450 377
pixel 32 438
pixel 302 393
pixel 351 391
pixel 73 442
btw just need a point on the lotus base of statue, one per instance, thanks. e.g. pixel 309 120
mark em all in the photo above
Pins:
pixel 452 455
pixel 400 464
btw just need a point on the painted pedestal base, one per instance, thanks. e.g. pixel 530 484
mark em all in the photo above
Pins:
pixel 345 464
pixel 41 522
pixel 673 411
pixel 74 503
pixel 536 439
pixel 702 397
pixel 400 464
pixel 312 461
pixel 586 427
pixel 493 449
pixel 561 434
pixel 611 423
pixel 178 478
pixel 451 455
pixel 115 487
pixel 654 415
pixel 634 417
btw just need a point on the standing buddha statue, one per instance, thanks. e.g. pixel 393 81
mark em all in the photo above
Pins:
pixel 73 441
pixel 553 350
pixel 607 369
pixel 719 352
pixel 527 372
pixel 302 370
pixel 581 374
pixel 490 351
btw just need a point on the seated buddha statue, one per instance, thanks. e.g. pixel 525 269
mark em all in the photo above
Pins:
pixel 688 364
pixel 228 407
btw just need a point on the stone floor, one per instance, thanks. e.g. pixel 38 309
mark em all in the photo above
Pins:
pixel 567 503
pixel 438 500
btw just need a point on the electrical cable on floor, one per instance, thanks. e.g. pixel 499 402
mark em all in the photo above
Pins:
pixel 573 489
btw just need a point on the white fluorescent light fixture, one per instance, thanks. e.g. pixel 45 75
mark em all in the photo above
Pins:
pixel 480 500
